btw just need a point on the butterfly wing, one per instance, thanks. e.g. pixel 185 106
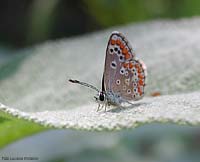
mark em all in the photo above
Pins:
pixel 123 72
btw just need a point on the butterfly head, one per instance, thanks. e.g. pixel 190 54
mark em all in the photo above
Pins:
pixel 101 97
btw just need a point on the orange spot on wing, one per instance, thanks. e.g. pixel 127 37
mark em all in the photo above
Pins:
pixel 141 82
pixel 139 70
pixel 122 45
pixel 125 51
pixel 140 76
pixel 125 65
pixel 137 66
pixel 113 42
pixel 127 56
pixel 130 65
pixel 118 42
pixel 140 91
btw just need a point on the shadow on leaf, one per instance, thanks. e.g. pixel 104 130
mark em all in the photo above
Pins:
pixel 124 108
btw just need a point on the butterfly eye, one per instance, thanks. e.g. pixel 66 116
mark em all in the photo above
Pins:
pixel 101 97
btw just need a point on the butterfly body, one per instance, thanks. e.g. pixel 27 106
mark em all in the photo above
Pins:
pixel 108 98
pixel 124 75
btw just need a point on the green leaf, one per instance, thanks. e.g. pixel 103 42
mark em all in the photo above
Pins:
pixel 12 128
pixel 37 87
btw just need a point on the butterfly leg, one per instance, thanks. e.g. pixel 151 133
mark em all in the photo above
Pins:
pixel 98 107
pixel 105 105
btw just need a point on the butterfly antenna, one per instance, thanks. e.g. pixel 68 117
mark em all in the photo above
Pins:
pixel 84 84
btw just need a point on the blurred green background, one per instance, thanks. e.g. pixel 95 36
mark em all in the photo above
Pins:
pixel 24 23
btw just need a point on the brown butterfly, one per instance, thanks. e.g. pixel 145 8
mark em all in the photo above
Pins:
pixel 124 75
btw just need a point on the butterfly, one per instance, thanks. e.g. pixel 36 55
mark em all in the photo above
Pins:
pixel 124 74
